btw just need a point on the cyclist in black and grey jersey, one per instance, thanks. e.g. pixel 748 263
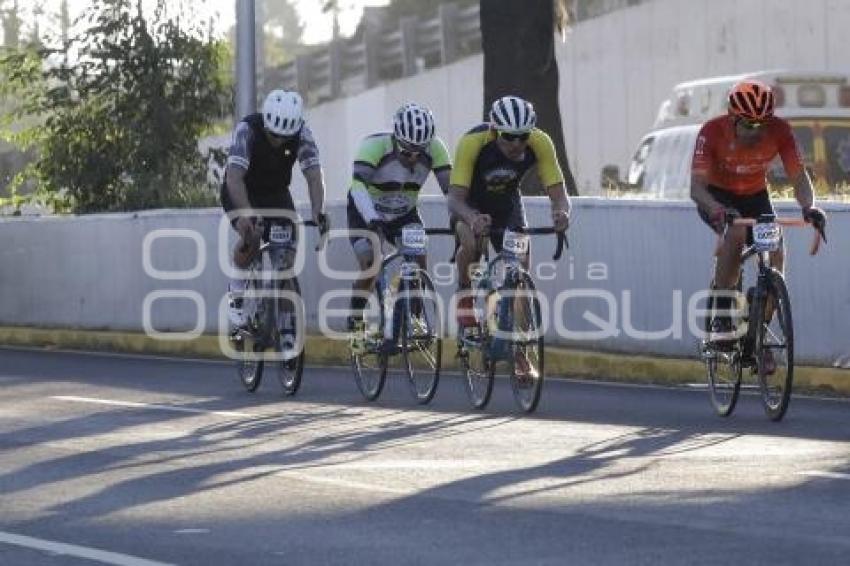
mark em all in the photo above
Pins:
pixel 263 151
pixel 389 171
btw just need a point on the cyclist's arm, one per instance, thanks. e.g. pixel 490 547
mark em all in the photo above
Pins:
pixel 701 164
pixel 238 162
pixel 441 164
pixel 793 164
pixel 308 158
pixel 460 180
pixel 458 205
pixel 316 188
pixel 558 195
pixel 549 170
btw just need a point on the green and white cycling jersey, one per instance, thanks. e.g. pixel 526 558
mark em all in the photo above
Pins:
pixel 384 188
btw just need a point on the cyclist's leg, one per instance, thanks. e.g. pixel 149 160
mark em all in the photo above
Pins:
pixel 468 253
pixel 243 253
pixel 727 266
pixel 366 257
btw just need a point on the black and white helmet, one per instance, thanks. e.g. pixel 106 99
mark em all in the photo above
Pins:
pixel 414 124
pixel 283 112
pixel 513 115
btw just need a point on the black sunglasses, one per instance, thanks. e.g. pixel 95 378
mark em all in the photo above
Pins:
pixel 408 151
pixel 748 125
pixel 283 137
pixel 508 136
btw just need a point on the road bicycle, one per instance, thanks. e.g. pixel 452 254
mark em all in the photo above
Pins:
pixel 508 331
pixel 404 320
pixel 273 308
pixel 764 334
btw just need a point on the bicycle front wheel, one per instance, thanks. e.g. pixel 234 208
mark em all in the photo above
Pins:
pixel 724 372
pixel 249 364
pixel 368 359
pixel 526 363
pixel 290 339
pixel 478 374
pixel 421 334
pixel 250 367
pixel 774 348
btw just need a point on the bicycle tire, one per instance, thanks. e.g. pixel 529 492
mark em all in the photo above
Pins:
pixel 723 393
pixel 290 372
pixel 775 402
pixel 370 378
pixel 410 344
pixel 479 371
pixel 527 388
pixel 250 371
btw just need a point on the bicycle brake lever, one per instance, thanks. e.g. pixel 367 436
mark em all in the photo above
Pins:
pixel 562 243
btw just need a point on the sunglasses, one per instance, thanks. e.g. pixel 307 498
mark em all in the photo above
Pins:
pixel 409 151
pixel 509 137
pixel 748 125
pixel 280 137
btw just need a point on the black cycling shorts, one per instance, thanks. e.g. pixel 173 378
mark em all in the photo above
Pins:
pixel 748 206
pixel 281 200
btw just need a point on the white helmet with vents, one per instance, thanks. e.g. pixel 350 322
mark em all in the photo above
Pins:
pixel 414 124
pixel 512 114
pixel 283 112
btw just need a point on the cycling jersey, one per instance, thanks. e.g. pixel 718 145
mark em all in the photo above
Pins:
pixel 268 169
pixel 492 179
pixel 723 160
pixel 383 188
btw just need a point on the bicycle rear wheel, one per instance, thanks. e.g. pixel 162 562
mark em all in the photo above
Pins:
pixel 526 363
pixel 290 371
pixel 421 333
pixel 774 348
pixel 723 369
pixel 368 361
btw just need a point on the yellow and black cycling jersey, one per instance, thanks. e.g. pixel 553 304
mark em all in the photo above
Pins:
pixel 493 179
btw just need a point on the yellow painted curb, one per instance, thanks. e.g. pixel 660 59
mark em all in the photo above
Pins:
pixel 325 351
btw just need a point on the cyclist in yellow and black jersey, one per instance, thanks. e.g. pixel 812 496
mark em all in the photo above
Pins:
pixel 490 162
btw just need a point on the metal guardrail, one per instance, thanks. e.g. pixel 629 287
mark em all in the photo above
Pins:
pixel 347 66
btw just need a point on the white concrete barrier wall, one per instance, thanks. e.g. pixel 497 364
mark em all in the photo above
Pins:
pixel 615 72
pixel 632 266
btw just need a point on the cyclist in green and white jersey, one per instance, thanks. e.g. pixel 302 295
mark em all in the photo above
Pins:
pixel 389 171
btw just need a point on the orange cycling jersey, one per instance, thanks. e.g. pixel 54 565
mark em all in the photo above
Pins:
pixel 724 161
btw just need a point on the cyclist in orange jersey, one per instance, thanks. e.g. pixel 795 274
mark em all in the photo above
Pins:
pixel 730 161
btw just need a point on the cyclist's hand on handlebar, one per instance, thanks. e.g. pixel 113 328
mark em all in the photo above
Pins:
pixel 560 220
pixel 817 218
pixel 481 223
pixel 721 216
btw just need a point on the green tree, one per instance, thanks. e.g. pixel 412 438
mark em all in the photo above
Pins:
pixel 115 114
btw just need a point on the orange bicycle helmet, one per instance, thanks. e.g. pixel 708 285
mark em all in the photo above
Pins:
pixel 751 100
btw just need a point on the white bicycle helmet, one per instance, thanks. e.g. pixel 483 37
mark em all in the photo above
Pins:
pixel 414 124
pixel 283 112
pixel 513 115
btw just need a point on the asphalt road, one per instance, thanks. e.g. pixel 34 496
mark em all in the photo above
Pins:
pixel 140 461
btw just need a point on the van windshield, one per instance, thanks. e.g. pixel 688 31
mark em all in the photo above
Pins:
pixel 825 146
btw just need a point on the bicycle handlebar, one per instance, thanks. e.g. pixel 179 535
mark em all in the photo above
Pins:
pixel 782 221
pixel 561 237
pixel 321 226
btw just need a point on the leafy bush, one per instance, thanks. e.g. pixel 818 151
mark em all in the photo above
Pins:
pixel 115 114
